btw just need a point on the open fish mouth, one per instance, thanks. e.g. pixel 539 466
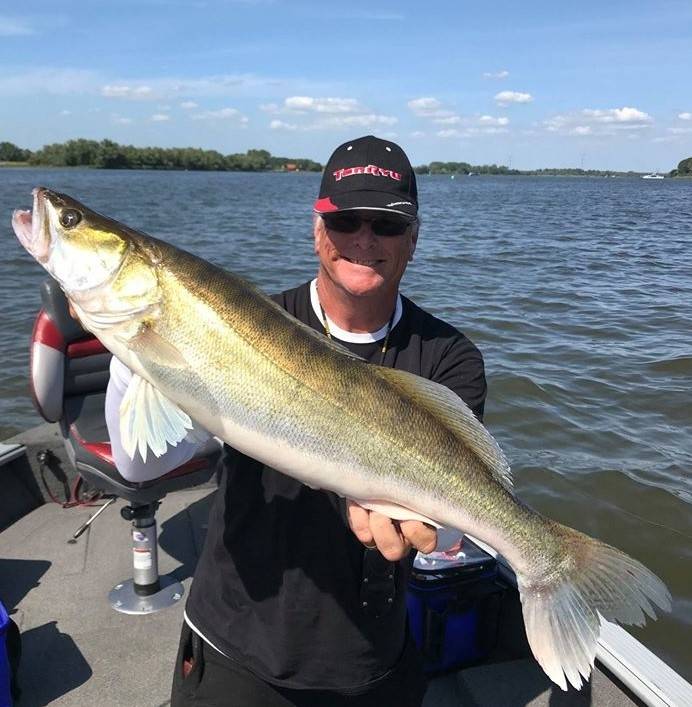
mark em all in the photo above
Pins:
pixel 31 227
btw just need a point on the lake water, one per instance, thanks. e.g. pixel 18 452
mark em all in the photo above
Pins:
pixel 578 292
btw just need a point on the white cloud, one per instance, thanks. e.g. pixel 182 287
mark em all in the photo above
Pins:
pixel 221 114
pixel 490 120
pixel 130 93
pixel 618 115
pixel 61 81
pixel 14 27
pixel 120 120
pixel 65 112
pixel 504 98
pixel 188 105
pixel 680 131
pixel 429 107
pixel 474 131
pixel 335 122
pixel 417 133
pixel 160 118
pixel 364 121
pixel 685 116
pixel 424 106
pixel 556 124
pixel 173 88
pixel 496 74
pixel 465 127
pixel 450 120
pixel 304 104
pixel 598 121
pixel 281 125
pixel 270 107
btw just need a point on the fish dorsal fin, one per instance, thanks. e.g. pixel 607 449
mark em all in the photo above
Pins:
pixel 149 420
pixel 453 412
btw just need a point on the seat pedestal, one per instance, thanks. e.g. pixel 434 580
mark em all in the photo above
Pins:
pixel 123 597
pixel 146 592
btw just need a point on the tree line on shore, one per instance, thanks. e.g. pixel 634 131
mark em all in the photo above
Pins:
pixel 464 168
pixel 106 154
pixel 684 168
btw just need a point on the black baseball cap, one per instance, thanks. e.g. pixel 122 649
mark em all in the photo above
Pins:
pixel 368 173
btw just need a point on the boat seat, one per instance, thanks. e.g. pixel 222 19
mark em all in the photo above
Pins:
pixel 69 373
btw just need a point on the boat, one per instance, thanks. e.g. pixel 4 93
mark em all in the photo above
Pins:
pixel 80 555
pixel 77 651
pixel 653 175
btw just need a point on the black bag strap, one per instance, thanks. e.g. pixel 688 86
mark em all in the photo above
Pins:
pixel 378 585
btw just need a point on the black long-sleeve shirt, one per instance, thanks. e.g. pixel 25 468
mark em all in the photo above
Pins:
pixel 279 584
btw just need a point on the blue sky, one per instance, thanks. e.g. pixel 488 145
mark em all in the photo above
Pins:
pixel 533 84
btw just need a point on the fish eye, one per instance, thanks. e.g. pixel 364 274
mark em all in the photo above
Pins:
pixel 69 218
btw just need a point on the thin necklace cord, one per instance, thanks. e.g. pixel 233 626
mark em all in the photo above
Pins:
pixel 385 343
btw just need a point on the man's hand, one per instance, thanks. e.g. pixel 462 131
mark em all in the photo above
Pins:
pixel 392 538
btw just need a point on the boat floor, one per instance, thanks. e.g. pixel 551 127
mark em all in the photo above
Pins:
pixel 78 651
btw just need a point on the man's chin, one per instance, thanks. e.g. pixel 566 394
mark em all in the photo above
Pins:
pixel 369 288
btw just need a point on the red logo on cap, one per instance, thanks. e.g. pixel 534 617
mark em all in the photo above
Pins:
pixel 370 169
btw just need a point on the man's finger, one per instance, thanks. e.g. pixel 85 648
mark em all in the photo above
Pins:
pixel 390 542
pixel 359 520
pixel 420 535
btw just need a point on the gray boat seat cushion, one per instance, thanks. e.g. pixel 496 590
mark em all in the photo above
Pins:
pixel 70 373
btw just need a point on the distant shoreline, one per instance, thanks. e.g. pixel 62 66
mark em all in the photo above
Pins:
pixel 519 173
pixel 81 153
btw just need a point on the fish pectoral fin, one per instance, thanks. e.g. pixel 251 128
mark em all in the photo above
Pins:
pixel 149 420
pixel 148 344
pixel 456 415
pixel 395 512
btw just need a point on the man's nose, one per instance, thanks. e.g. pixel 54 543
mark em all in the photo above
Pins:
pixel 364 236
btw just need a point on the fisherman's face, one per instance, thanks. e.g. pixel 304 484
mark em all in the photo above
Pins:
pixel 363 263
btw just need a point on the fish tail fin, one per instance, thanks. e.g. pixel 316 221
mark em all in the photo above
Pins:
pixel 590 581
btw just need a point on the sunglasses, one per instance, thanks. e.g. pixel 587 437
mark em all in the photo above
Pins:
pixel 350 222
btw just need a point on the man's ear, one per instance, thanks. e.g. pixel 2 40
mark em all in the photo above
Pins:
pixel 412 245
pixel 317 233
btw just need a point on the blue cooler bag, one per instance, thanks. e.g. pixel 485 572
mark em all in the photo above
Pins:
pixel 453 605
pixel 5 699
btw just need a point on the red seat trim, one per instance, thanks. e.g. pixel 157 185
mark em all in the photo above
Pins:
pixel 186 468
pixel 103 450
pixel 46 332
pixel 85 347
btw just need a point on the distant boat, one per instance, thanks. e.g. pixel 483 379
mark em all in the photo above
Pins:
pixel 653 175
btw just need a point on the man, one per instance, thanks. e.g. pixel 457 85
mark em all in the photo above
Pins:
pixel 299 595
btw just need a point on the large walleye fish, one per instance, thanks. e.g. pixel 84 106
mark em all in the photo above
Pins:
pixel 206 345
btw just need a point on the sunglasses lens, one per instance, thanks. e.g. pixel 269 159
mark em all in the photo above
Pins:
pixel 389 226
pixel 344 223
pixel 349 222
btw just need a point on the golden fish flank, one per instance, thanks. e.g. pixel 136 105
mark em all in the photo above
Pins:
pixel 206 345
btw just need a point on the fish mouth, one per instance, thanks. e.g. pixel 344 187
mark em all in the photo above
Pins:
pixel 31 227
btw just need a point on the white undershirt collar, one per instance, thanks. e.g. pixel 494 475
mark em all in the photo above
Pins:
pixel 352 337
